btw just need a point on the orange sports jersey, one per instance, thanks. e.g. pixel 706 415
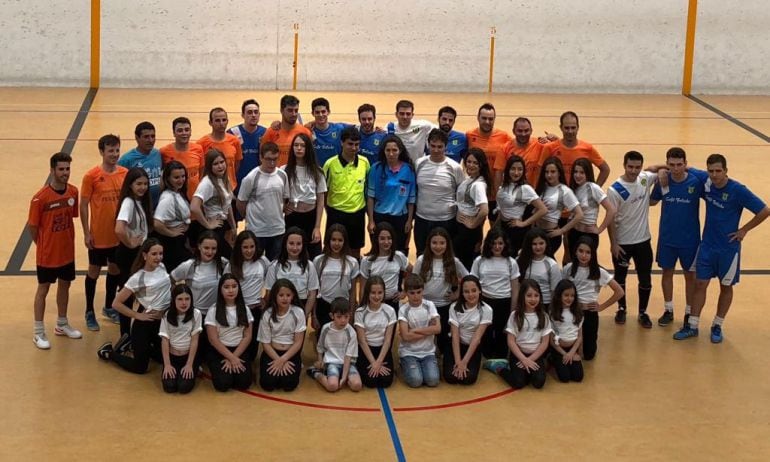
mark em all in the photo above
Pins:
pixel 568 156
pixel 192 159
pixel 230 147
pixel 53 213
pixel 102 191
pixel 531 155
pixel 284 138
pixel 493 146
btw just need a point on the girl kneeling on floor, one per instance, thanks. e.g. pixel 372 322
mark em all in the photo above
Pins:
pixel 179 332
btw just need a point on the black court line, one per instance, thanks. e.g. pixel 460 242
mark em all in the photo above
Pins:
pixel 25 240
pixel 730 118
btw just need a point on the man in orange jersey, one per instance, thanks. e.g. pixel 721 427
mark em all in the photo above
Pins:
pixel 188 154
pixel 227 144
pixel 570 148
pixel 99 201
pixel 289 128
pixel 51 215
pixel 493 142
pixel 524 146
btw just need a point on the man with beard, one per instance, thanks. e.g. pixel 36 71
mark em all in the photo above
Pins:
pixel 289 128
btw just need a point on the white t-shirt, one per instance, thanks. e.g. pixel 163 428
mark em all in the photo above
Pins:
pixel 375 322
pixel 389 271
pixel 304 281
pixel 590 196
pixel 264 195
pixel 437 184
pixel 282 331
pixel 512 200
pixel 495 275
pixel 212 207
pixel 231 334
pixel 152 289
pixel 173 209
pixel 253 282
pixel 331 281
pixel 132 213
pixel 436 288
pixel 417 317
pixel 471 194
pixel 547 274
pixel 335 344
pixel 469 320
pixel 203 279
pixel 414 137
pixel 529 337
pixel 566 330
pixel 305 189
pixel 179 336
pixel 632 201
pixel 587 289
pixel 557 198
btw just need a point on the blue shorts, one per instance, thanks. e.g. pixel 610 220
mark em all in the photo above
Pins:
pixel 335 369
pixel 724 264
pixel 667 256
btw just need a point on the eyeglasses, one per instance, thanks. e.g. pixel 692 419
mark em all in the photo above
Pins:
pixel 270 159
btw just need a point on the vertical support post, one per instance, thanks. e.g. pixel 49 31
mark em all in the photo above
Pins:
pixel 492 32
pixel 296 55
pixel 95 42
pixel 689 47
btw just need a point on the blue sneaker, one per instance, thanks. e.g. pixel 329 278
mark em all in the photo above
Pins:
pixel 91 322
pixel 716 334
pixel 111 314
pixel 685 332
pixel 496 365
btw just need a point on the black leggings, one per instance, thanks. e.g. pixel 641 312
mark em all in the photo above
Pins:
pixel 442 338
pixel 494 344
pixel 515 238
pixel 573 237
pixel 566 372
pixel 423 227
pixel 222 380
pixel 145 343
pixel 590 334
pixel 179 383
pixel 270 382
pixel 323 312
pixel 174 250
pixel 641 254
pixel 518 378
pixel 306 222
pixel 362 364
pixel 473 366
pixel 124 258
pixel 464 243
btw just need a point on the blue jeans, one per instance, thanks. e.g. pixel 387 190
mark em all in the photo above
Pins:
pixel 419 371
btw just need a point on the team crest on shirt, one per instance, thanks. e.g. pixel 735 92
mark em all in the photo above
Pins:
pixel 71 201
pixel 644 181
pixel 725 196
pixel 454 142
pixel 691 190
pixel 334 134
pixel 376 142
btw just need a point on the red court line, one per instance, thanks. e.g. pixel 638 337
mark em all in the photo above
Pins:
pixel 457 404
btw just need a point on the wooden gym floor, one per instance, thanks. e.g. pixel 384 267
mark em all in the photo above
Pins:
pixel 645 397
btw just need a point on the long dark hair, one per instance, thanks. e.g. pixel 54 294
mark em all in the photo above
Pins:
pixel 145 202
pixel 273 297
pixel 518 316
pixel 593 263
pixel 403 155
pixel 146 246
pixel 541 183
pixel 172 314
pixel 208 235
pixel 236 259
pixel 459 305
pixel 481 158
pixel 240 304
pixel 447 260
pixel 557 307
pixel 507 172
pixel 327 253
pixel 374 252
pixel 587 167
pixel 167 170
pixel 372 281
pixel 525 254
pixel 211 155
pixel 494 234
pixel 283 256
pixel 311 163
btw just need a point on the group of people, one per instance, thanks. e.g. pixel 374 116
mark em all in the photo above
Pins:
pixel 187 288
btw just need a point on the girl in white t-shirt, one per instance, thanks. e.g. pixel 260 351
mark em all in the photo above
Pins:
pixel 387 262
pixel 589 278
pixel 557 198
pixel 567 321
pixel 151 286
pixel 591 196
pixel 529 332
pixel 472 205
pixel 229 328
pixel 499 276
pixel 172 215
pixel 211 205
pixel 469 318
pixel 293 263
pixel 375 322
pixel 179 331
pixel 337 275
pixel 513 198
pixel 535 264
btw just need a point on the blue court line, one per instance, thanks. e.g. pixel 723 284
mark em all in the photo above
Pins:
pixel 391 425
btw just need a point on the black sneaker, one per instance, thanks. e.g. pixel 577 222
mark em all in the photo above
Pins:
pixel 123 344
pixel 666 319
pixel 105 351
pixel 620 317
pixel 312 371
pixel 644 320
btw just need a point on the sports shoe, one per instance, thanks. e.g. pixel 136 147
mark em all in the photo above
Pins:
pixel 123 344
pixel 620 317
pixel 666 319
pixel 495 365
pixel 91 322
pixel 685 332
pixel 67 330
pixel 41 341
pixel 105 351
pixel 312 372
pixel 644 320
pixel 111 314
pixel 716 334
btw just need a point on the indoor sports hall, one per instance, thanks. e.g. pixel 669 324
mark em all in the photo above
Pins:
pixel 642 75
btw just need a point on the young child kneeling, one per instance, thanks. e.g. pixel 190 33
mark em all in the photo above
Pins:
pixel 418 322
pixel 337 351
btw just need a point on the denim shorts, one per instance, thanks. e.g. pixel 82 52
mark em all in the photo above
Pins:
pixel 335 369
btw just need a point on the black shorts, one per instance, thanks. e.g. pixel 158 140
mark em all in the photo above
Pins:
pixel 101 257
pixel 50 275
pixel 354 223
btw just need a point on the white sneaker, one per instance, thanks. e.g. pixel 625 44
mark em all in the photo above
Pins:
pixel 68 330
pixel 41 341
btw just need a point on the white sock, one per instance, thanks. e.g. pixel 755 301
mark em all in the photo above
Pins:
pixel 687 309
pixel 669 306
pixel 718 321
pixel 693 321
pixel 39 328
pixel 61 321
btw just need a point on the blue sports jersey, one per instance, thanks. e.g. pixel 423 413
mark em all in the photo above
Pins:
pixel 370 145
pixel 152 163
pixel 723 213
pixel 457 146
pixel 328 143
pixel 680 214
pixel 250 146
pixel 391 191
